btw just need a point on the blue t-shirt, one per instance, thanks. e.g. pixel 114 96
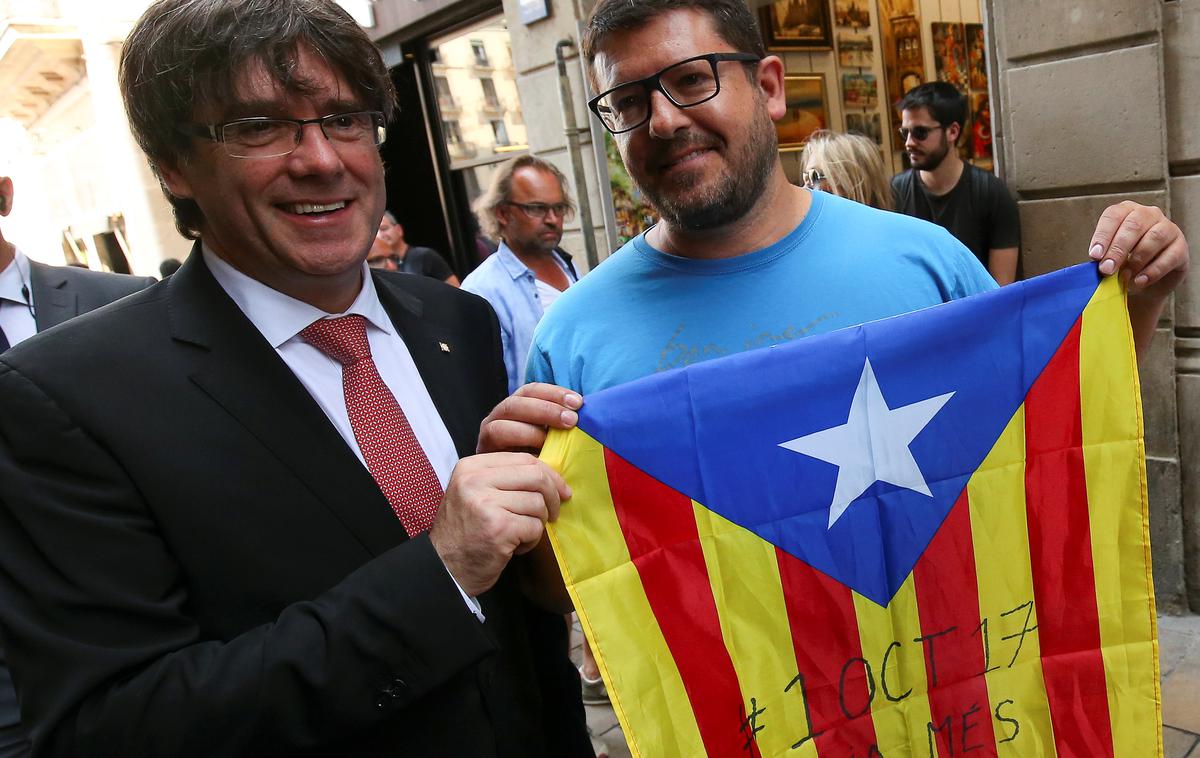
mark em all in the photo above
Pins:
pixel 644 311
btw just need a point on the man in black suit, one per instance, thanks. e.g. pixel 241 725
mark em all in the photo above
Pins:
pixel 234 520
pixel 43 296
pixel 33 298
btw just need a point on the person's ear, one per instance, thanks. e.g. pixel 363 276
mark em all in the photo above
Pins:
pixel 6 195
pixel 770 83
pixel 175 179
pixel 953 132
pixel 503 215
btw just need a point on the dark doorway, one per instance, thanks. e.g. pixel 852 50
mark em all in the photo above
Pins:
pixel 413 193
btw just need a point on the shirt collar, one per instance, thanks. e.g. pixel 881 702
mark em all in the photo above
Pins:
pixel 281 317
pixel 15 276
pixel 511 263
pixel 516 269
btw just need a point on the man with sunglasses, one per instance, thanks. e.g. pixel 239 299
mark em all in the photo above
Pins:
pixel 972 204
pixel 741 258
pixel 524 207
pixel 240 511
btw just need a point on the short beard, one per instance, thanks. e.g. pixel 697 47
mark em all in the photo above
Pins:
pixel 730 198
pixel 933 160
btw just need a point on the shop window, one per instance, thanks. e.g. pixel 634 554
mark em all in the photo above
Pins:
pixel 870 53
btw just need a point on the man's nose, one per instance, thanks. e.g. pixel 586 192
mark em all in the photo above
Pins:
pixel 314 152
pixel 666 118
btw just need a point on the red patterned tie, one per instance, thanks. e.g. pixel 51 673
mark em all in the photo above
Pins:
pixel 393 454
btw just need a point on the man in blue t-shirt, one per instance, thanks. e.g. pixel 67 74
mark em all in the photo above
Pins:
pixel 741 258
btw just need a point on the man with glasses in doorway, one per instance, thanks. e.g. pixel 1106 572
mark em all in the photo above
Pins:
pixel 741 257
pixel 524 207
pixel 972 204
pixel 241 512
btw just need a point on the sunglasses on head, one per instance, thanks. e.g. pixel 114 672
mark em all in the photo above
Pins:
pixel 813 178
pixel 920 132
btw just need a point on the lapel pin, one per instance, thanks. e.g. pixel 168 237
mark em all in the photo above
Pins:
pixel 445 348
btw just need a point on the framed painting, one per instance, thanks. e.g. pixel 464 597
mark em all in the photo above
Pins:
pixel 860 90
pixel 980 134
pixel 950 54
pixel 866 124
pixel 855 51
pixel 796 25
pixel 852 13
pixel 976 57
pixel 807 110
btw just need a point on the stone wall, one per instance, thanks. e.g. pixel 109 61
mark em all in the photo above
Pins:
pixel 1181 35
pixel 1097 103
pixel 533 48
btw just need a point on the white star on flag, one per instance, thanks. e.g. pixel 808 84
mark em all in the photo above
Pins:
pixel 872 446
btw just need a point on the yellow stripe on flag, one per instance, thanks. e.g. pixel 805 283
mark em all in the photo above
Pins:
pixel 900 709
pixel 744 574
pixel 1115 465
pixel 644 684
pixel 1004 572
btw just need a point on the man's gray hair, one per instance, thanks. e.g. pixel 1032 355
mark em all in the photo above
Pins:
pixel 183 55
pixel 499 190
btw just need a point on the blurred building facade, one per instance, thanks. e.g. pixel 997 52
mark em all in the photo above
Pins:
pixel 83 190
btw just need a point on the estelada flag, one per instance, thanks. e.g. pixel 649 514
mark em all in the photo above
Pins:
pixel 922 536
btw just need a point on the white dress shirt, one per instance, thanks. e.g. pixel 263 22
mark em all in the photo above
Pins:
pixel 16 300
pixel 280 318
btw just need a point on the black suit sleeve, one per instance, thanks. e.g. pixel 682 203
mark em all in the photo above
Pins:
pixel 110 659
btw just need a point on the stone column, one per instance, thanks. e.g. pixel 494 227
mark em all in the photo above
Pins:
pixel 149 225
pixel 1181 33
pixel 1082 106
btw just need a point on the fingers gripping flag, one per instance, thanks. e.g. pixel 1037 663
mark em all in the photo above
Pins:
pixel 923 536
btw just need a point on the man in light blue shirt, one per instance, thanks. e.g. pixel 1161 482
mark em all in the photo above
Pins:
pixel 525 207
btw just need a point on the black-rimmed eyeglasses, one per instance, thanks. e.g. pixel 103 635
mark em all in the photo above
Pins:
pixel 686 83
pixel 261 137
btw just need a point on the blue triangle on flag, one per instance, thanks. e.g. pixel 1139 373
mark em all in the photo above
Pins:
pixel 713 430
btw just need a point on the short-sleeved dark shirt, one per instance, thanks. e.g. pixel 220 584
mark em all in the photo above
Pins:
pixel 427 262
pixel 978 211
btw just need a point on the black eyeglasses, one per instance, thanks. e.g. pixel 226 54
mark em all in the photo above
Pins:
pixel 539 211
pixel 920 132
pixel 813 179
pixel 686 83
pixel 260 137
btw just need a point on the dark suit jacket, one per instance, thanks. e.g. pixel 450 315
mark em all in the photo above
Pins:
pixel 62 292
pixel 59 293
pixel 196 564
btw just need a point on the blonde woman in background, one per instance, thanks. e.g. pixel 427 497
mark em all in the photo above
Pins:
pixel 848 165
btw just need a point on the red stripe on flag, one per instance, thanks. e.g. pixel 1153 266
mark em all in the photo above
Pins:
pixel 952 638
pixel 659 527
pixel 1060 547
pixel 833 676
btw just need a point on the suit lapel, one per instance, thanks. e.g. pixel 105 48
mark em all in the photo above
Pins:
pixel 53 299
pixel 431 347
pixel 243 374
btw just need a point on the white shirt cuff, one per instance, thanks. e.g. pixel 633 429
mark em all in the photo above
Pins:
pixel 472 604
